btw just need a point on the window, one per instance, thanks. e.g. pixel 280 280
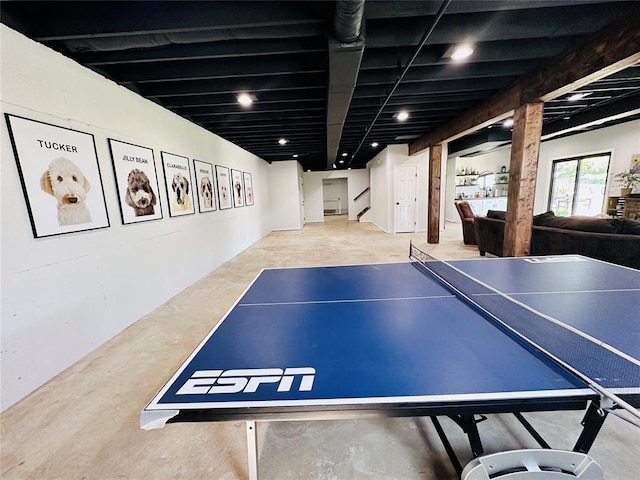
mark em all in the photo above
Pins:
pixel 578 185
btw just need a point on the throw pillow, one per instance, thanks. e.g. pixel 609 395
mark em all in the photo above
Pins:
pixel 541 218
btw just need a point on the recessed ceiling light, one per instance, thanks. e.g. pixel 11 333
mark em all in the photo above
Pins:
pixel 578 96
pixel 245 99
pixel 508 123
pixel 344 154
pixel 283 141
pixel 461 52
pixel 295 155
pixel 402 116
pixel 341 161
pixel 374 144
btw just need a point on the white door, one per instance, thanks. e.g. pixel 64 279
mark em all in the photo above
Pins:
pixel 301 194
pixel 406 177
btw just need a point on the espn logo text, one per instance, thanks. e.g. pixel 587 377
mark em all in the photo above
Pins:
pixel 211 382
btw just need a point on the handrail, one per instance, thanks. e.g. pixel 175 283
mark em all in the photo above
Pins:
pixel 362 193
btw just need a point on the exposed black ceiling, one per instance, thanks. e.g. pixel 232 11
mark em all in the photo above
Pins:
pixel 300 61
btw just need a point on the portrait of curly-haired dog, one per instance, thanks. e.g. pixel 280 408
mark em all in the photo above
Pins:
pixel 206 192
pixel 68 185
pixel 238 193
pixel 140 196
pixel 181 199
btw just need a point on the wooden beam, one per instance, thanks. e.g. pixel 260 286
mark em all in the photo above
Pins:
pixel 433 207
pixel 523 171
pixel 616 47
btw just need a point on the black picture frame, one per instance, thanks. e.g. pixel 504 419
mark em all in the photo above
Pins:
pixel 249 193
pixel 60 176
pixel 205 186
pixel 237 185
pixel 223 183
pixel 136 178
pixel 178 184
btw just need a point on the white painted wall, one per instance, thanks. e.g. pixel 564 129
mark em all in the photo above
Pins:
pixel 285 195
pixel 623 140
pixel 63 296
pixel 357 181
pixel 381 170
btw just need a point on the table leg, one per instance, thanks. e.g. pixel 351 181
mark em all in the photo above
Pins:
pixel 252 450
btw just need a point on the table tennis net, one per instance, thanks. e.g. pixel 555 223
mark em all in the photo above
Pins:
pixel 611 373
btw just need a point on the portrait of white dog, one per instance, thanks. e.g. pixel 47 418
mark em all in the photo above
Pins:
pixel 181 198
pixel 140 195
pixel 206 192
pixel 66 182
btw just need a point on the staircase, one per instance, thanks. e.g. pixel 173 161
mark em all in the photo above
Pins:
pixel 363 200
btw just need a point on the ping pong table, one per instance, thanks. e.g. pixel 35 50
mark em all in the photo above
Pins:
pixel 461 339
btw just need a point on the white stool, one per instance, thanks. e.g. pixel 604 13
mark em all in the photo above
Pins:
pixel 533 464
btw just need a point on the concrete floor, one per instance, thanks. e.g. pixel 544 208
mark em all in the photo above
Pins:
pixel 83 424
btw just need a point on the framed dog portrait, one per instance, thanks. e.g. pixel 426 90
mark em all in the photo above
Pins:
pixel 136 182
pixel 223 180
pixel 60 177
pixel 204 183
pixel 248 189
pixel 238 188
pixel 177 178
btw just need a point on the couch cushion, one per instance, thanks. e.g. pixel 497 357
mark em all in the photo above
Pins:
pixel 630 227
pixel 581 223
pixel 497 214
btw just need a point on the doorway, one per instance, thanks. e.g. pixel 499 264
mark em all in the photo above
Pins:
pixel 335 196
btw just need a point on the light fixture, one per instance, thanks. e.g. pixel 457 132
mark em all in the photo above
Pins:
pixel 401 116
pixel 508 123
pixel 578 96
pixel 344 154
pixel 283 141
pixel 341 161
pixel 295 155
pixel 245 99
pixel 374 144
pixel 461 52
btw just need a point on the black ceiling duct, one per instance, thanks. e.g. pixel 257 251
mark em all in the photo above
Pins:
pixel 345 55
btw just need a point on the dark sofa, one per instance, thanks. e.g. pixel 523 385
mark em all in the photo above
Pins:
pixel 612 240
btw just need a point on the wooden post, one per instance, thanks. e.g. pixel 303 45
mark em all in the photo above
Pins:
pixel 525 146
pixel 433 208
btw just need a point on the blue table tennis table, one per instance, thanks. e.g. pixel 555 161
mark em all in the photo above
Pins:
pixel 462 339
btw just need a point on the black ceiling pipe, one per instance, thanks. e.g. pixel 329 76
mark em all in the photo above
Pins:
pixel 346 47
pixel 425 37
pixel 348 20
